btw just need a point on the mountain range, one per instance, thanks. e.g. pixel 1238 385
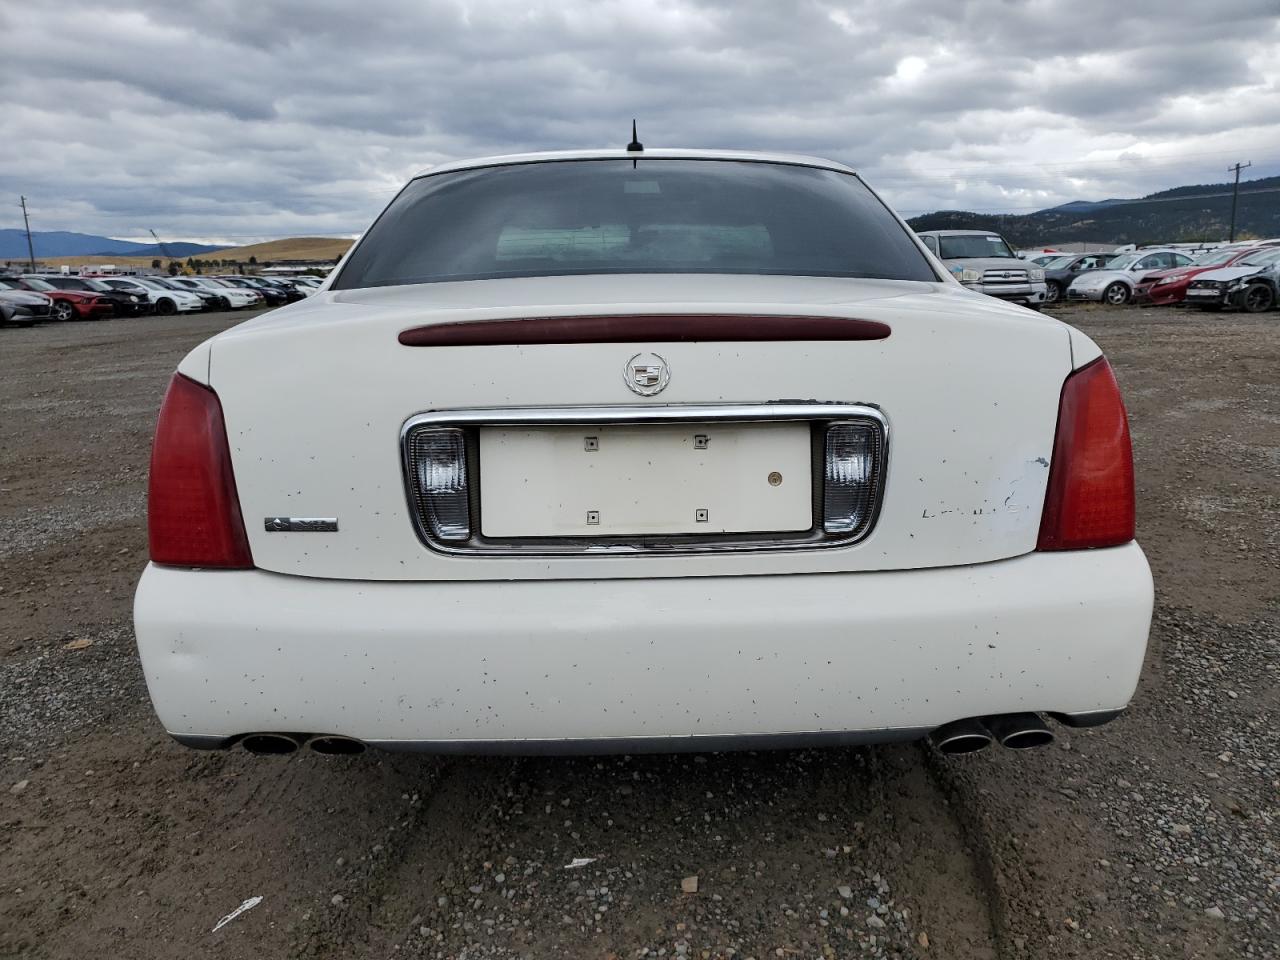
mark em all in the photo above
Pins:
pixel 1196 212
pixel 1182 214
pixel 60 243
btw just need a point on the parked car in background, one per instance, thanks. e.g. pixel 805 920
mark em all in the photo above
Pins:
pixel 985 262
pixel 273 296
pixel 164 301
pixel 208 300
pixel 1061 271
pixel 301 286
pixel 513 489
pixel 229 297
pixel 1115 283
pixel 291 292
pixel 125 304
pixel 1170 286
pixel 1039 259
pixel 20 307
pixel 1250 284
pixel 71 304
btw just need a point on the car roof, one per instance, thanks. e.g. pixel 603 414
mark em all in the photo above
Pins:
pixel 669 153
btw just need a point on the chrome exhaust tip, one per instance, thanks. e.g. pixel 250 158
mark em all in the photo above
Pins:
pixel 271 744
pixel 960 736
pixel 334 745
pixel 1018 731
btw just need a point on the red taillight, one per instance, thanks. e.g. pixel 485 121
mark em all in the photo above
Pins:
pixel 1090 498
pixel 193 512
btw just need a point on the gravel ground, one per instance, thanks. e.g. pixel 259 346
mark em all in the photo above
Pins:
pixel 1155 836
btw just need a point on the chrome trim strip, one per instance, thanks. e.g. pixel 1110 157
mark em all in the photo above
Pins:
pixel 646 413
pixel 783 410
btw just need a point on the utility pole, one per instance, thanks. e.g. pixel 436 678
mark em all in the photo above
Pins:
pixel 1234 193
pixel 31 252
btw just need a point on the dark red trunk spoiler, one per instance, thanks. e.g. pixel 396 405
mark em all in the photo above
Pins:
pixel 637 328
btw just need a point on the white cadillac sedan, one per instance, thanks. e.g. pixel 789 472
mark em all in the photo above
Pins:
pixel 640 450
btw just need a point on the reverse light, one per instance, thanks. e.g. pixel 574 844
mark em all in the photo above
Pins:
pixel 438 478
pixel 852 456
pixel 1090 499
pixel 193 511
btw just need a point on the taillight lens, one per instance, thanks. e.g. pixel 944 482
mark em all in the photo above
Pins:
pixel 1090 500
pixel 852 467
pixel 193 512
pixel 438 474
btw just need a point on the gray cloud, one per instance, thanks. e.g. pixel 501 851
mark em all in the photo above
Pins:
pixel 241 119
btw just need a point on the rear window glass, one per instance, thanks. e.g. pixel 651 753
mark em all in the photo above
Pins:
pixel 659 216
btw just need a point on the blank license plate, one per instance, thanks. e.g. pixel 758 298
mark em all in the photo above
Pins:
pixel 695 478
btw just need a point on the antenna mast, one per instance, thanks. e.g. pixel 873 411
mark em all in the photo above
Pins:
pixel 635 146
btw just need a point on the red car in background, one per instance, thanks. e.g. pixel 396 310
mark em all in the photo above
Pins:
pixel 1170 286
pixel 71 304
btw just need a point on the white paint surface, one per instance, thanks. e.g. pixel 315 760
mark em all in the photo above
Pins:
pixel 228 652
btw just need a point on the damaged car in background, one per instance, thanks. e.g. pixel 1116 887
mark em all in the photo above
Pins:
pixel 622 450
pixel 1250 284
pixel 1166 287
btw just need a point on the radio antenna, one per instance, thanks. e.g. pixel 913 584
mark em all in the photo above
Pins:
pixel 635 146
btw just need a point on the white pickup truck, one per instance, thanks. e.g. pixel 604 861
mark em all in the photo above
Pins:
pixel 985 262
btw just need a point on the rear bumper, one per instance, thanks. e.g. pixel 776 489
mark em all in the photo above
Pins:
pixel 1199 297
pixel 547 665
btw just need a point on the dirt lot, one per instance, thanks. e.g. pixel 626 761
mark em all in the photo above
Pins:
pixel 1153 837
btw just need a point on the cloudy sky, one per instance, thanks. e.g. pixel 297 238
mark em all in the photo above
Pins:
pixel 242 120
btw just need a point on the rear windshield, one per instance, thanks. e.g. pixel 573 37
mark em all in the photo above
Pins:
pixel 658 216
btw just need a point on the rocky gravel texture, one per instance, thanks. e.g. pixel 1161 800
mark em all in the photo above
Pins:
pixel 1155 836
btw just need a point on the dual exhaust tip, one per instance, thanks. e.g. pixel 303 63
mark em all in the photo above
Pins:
pixel 1016 731
pixel 278 744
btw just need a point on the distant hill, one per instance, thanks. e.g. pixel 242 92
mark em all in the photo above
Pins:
pixel 60 243
pixel 1181 214
pixel 1085 206
pixel 293 248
